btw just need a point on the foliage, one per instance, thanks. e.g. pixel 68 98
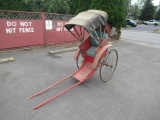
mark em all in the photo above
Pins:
pixel 73 4
pixel 141 4
pixel 114 8
pixel 55 6
pixel 158 15
pixel 83 5
pixel 127 7
pixel 135 11
pixel 34 5
pixel 148 12
pixel 12 5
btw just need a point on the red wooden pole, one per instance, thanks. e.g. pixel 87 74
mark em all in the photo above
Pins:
pixel 49 87
pixel 61 93
pixel 57 95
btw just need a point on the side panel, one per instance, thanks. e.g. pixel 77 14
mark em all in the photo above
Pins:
pixel 100 55
pixel 85 45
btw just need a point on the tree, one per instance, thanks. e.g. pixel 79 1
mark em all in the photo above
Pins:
pixel 148 12
pixel 73 4
pixel 83 5
pixel 12 5
pixel 141 3
pixel 127 7
pixel 135 11
pixel 114 8
pixel 34 5
pixel 158 14
pixel 55 6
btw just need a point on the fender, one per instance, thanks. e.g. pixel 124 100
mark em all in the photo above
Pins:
pixel 77 54
pixel 99 54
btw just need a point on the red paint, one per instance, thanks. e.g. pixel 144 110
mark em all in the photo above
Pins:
pixel 108 29
pixel 52 98
pixel 21 33
pixel 37 33
pixel 16 37
pixel 44 90
pixel 85 45
pixel 77 54
pixel 85 72
pixel 59 34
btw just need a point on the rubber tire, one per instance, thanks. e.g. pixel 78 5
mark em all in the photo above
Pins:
pixel 105 59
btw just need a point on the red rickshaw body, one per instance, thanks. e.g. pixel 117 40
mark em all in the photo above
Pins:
pixel 93 49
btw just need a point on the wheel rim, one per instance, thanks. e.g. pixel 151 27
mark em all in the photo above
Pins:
pixel 108 65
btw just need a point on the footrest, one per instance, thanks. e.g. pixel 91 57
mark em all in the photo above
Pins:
pixel 83 72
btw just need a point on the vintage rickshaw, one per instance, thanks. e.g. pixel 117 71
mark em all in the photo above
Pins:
pixel 89 27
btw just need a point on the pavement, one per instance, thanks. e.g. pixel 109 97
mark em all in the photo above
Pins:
pixel 141 36
pixel 142 27
pixel 133 93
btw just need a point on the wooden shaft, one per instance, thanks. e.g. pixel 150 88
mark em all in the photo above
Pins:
pixel 49 87
pixel 62 92
pixel 56 96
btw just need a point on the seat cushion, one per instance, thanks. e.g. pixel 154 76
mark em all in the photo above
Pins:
pixel 91 51
pixel 93 42
pixel 99 34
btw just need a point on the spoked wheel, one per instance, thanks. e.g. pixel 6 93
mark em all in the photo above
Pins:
pixel 108 65
pixel 79 61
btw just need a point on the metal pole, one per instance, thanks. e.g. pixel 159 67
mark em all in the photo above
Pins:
pixel 73 35
pixel 77 33
pixel 104 32
pixel 97 36
pixel 81 32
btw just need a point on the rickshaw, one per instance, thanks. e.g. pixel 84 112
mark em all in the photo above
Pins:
pixel 89 27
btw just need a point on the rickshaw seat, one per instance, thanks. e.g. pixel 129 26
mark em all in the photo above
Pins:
pixel 93 42
pixel 91 51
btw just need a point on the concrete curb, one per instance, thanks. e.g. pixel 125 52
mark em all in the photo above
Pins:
pixel 63 50
pixel 6 60
pixel 18 49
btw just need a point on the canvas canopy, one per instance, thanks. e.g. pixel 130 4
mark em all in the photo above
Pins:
pixel 90 20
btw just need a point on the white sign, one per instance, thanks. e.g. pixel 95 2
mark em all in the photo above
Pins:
pixel 60 27
pixel 48 25
pixel 25 27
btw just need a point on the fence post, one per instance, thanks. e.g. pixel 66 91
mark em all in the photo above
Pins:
pixel 44 29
